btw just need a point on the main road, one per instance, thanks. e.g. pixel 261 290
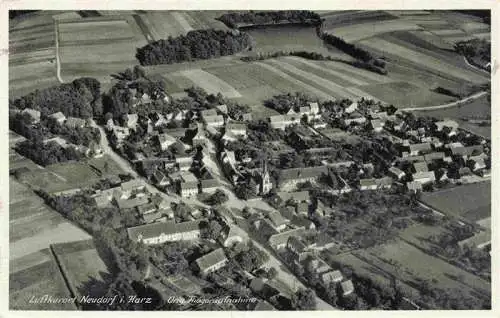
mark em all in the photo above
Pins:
pixel 283 274
pixel 449 105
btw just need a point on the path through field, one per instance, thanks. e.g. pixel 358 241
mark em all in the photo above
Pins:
pixel 58 59
pixel 453 104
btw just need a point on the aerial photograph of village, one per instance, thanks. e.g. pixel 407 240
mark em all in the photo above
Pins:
pixel 249 160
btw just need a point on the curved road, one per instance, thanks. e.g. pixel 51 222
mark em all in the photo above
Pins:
pixel 453 104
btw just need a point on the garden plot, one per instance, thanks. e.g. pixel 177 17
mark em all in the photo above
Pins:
pixel 212 84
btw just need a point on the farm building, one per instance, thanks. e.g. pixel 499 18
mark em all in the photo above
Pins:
pixel 347 287
pixel 396 173
pixel 416 149
pixel 278 221
pixel 289 178
pixel 424 177
pixel 278 241
pixel 157 233
pixel 209 185
pixel 58 117
pixel 214 121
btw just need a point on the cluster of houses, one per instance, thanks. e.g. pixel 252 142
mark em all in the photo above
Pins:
pixel 134 195
pixel 311 113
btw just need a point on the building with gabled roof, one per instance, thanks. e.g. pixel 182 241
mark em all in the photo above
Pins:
pixel 165 140
pixel 34 114
pixel 377 125
pixel 278 221
pixel 131 203
pixel 420 166
pixel 396 173
pixel 58 117
pixel 209 185
pixel 424 177
pixel 214 121
pixel 73 122
pixel 367 184
pixel 289 178
pixel 279 240
pixel 334 276
pixel 160 232
pixel 416 149
pixel 446 123
pixel 414 186
pixel 347 287
pixel 212 261
pixel 188 189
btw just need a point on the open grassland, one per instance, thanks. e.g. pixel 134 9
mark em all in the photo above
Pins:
pixel 271 39
pixel 82 266
pixel 410 264
pixel 37 280
pixel 422 60
pixel 356 32
pixel 471 201
pixel 404 94
pixel 419 234
pixel 212 84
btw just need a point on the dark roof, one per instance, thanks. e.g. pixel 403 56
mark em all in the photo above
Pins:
pixel 156 229
pixel 301 173
pixel 277 219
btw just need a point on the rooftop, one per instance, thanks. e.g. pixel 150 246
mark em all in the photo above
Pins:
pixel 211 259
pixel 157 229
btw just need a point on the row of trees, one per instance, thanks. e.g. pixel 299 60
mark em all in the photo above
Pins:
pixel 234 19
pixel 198 44
pixel 80 98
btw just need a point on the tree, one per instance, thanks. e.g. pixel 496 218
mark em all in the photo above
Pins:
pixel 304 299
pixel 219 197
pixel 213 230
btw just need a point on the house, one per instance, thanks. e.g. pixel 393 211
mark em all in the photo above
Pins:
pixel 132 121
pixel 102 201
pixel 147 208
pixel 302 208
pixel 184 162
pixel 434 156
pixel 120 133
pixel 416 149
pixel 303 222
pixel 132 185
pixel 351 108
pixel 160 179
pixel 298 248
pixel 212 261
pixel 58 140
pixel 420 166
pixel 384 183
pixel 160 232
pixel 247 117
pixel 296 197
pixel 321 209
pixel 208 112
pixel 159 120
pixel 156 216
pixel 314 107
pixel 200 138
pixel 278 221
pixel 131 203
pixel 229 137
pixel 214 121
pixel 453 125
pixel 354 118
pixel 396 173
pixel 324 242
pixel 283 121
pixel 367 184
pixel 165 140
pixel 289 178
pixel 347 287
pixel 334 276
pixel 188 189
pixel 58 117
pixel 278 241
pixel 222 108
pixel 424 177
pixel 73 122
pixel 478 163
pixel 414 186
pixel 377 125
pixel 34 114
pixel 209 186
pixel 237 128
pixel 233 237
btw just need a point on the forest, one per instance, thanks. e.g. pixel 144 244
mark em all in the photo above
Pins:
pixel 233 19
pixel 198 44
pixel 80 98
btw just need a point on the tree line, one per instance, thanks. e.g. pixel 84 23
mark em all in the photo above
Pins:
pixel 80 98
pixel 198 44
pixel 234 19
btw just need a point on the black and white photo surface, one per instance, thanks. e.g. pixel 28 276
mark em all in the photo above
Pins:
pixel 224 160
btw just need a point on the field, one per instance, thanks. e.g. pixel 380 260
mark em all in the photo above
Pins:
pixel 270 39
pixel 364 268
pixel 472 201
pixel 42 277
pixel 86 50
pixel 352 33
pixel 415 265
pixel 82 266
pixel 480 108
pixel 212 84
pixel 408 94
